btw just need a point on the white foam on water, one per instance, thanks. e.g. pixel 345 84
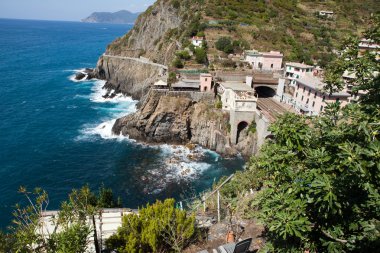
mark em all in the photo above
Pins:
pixel 76 71
pixel 120 106
pixel 98 94
pixel 103 130
pixel 179 164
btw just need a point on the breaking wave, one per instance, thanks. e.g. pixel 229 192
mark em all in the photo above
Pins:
pixel 176 163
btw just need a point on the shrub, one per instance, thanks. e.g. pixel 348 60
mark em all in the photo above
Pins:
pixel 252 127
pixel 178 63
pixel 224 44
pixel 200 56
pixel 176 4
pixel 172 77
pixel 184 55
pixel 218 104
pixel 157 228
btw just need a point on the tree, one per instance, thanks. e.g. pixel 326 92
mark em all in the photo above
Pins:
pixel 363 66
pixel 71 227
pixel 157 228
pixel 29 234
pixel 224 44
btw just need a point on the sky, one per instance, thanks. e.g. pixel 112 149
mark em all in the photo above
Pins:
pixel 66 10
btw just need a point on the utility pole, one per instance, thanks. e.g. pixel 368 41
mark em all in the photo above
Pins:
pixel 218 206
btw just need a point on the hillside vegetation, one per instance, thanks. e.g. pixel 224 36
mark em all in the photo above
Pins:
pixel 290 26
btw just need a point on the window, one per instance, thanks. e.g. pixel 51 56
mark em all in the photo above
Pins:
pixel 297 95
pixel 304 88
pixel 321 108
pixel 324 98
pixel 307 101
pixel 271 66
pixel 315 95
pixel 302 98
pixel 309 92
pixel 313 103
pixel 206 79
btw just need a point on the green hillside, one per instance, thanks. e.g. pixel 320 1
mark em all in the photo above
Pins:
pixel 291 26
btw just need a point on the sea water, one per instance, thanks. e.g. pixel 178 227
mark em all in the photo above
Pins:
pixel 55 132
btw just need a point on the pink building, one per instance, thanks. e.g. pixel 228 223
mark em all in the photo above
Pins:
pixel 264 61
pixel 206 82
pixel 310 99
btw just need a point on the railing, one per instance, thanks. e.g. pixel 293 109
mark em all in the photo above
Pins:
pixel 216 191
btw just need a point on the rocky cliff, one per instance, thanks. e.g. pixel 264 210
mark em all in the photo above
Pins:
pixel 177 118
pixel 156 36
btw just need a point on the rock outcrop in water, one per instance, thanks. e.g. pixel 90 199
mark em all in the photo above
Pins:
pixel 177 118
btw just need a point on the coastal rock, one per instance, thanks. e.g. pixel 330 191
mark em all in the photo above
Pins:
pixel 79 76
pixel 176 119
pixel 132 78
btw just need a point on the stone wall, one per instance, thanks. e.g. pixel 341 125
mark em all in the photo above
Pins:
pixel 195 96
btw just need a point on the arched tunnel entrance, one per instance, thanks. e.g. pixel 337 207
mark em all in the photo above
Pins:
pixel 265 92
pixel 241 131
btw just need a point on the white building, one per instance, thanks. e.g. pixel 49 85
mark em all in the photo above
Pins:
pixel 295 70
pixel 197 41
pixel 327 14
pixel 237 96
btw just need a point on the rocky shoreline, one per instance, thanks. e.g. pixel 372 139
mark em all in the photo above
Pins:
pixel 176 119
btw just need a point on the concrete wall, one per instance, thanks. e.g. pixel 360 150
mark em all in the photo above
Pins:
pixel 228 98
pixel 193 95
pixel 235 119
pixel 262 125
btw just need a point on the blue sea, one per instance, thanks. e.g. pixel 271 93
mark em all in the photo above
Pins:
pixel 55 133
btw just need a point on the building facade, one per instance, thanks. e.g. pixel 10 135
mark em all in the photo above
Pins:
pixel 197 41
pixel 295 70
pixel 270 61
pixel 206 82
pixel 310 99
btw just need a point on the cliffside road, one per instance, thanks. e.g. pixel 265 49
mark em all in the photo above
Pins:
pixel 271 108
pixel 141 60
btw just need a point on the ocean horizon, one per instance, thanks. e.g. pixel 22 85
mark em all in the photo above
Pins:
pixel 55 132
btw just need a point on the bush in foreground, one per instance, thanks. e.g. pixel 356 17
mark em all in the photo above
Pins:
pixel 157 228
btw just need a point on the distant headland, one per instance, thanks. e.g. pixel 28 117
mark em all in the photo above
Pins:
pixel 120 17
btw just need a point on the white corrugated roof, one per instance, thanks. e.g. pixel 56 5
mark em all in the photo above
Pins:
pixel 299 65
pixel 236 86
